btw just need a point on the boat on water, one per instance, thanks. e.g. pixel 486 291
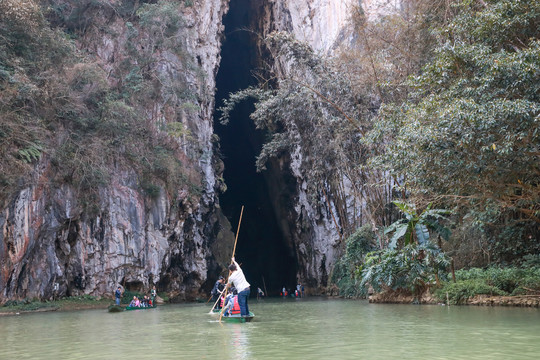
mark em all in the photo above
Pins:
pixel 140 308
pixel 238 318
pixel 115 308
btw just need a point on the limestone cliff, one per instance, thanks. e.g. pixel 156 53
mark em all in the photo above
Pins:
pixel 51 245
pixel 311 228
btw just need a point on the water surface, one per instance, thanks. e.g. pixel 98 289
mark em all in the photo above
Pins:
pixel 283 329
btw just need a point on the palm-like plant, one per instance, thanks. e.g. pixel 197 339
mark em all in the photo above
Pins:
pixel 414 267
pixel 414 228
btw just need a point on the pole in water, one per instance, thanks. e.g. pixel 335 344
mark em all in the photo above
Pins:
pixel 265 291
pixel 233 252
pixel 219 298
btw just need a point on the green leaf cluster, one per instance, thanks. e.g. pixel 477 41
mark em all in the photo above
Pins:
pixel 414 228
pixel 470 132
pixel 344 274
pixel 491 281
pixel 414 268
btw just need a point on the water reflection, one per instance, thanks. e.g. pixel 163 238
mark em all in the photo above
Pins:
pixel 239 341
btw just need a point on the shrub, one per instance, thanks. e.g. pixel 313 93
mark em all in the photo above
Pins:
pixel 344 272
pixel 461 291
pixel 491 281
pixel 414 267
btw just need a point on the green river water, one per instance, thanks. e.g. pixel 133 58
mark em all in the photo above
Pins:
pixel 310 328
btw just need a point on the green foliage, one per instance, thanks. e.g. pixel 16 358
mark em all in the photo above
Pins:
pixel 344 272
pixel 470 133
pixel 414 268
pixel 311 110
pixel 531 260
pixel 58 105
pixel 459 292
pixel 491 281
pixel 31 153
pixel 28 305
pixel 415 227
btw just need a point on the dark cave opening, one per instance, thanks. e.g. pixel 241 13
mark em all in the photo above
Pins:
pixel 266 257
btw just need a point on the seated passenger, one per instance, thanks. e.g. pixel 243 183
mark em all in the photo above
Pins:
pixel 232 307
pixel 227 304
pixel 133 302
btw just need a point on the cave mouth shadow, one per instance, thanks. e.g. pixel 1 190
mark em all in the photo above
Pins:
pixel 267 258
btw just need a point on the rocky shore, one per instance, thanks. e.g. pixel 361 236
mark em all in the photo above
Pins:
pixel 400 297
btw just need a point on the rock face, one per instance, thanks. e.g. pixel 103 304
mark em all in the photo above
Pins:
pixel 51 247
pixel 310 229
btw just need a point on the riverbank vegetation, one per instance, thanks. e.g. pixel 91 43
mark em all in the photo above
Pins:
pixel 436 106
pixel 494 280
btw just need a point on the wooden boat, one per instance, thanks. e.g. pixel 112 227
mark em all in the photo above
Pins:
pixel 140 308
pixel 238 318
pixel 115 308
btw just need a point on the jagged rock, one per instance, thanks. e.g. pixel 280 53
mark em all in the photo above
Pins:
pixel 49 245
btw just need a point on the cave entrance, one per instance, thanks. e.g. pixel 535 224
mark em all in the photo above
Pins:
pixel 265 254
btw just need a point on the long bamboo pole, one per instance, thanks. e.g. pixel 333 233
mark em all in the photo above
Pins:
pixel 233 252
pixel 237 231
pixel 265 291
pixel 219 298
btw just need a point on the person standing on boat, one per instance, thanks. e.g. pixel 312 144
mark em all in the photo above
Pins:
pixel 118 295
pixel 217 290
pixel 237 278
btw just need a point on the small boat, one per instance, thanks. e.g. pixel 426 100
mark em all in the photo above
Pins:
pixel 115 308
pixel 140 308
pixel 238 318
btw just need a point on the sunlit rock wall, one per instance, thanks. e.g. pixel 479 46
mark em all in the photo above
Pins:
pixel 311 230
pixel 50 247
